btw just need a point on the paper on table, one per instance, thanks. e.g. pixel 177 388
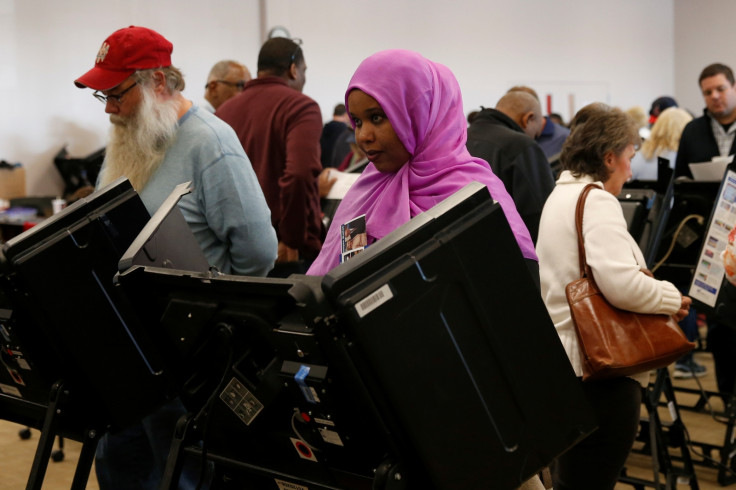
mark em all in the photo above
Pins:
pixel 344 181
pixel 712 171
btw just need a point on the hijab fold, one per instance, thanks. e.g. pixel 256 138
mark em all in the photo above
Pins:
pixel 422 101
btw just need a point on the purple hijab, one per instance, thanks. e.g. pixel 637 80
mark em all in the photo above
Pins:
pixel 422 101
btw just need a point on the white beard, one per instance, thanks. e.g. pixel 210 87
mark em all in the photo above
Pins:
pixel 139 143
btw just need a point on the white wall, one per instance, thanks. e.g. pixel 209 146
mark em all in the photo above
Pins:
pixel 704 36
pixel 589 49
pixel 45 45
pixel 593 50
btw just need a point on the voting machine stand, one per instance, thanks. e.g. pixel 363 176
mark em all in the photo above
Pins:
pixel 686 237
pixel 75 360
pixel 711 292
pixel 647 208
pixel 409 366
pixel 656 437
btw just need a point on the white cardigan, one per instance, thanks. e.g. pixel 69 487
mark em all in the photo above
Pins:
pixel 611 252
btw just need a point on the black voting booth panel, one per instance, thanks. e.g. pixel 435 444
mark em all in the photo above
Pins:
pixel 686 226
pixel 683 228
pixel 166 240
pixel 723 311
pixel 430 362
pixel 638 205
pixel 489 362
pixel 67 323
pixel 77 362
pixel 246 341
pixel 646 206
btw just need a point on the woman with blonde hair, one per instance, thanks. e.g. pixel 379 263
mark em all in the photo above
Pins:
pixel 662 142
pixel 639 115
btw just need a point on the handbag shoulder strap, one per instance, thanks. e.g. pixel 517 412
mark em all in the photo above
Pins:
pixel 584 268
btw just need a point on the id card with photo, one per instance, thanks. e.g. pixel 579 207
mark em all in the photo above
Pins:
pixel 353 238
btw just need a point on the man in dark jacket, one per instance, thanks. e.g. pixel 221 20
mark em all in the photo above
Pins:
pixel 552 135
pixel 504 137
pixel 711 134
pixel 334 139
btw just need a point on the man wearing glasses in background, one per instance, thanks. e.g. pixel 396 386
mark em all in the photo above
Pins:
pixel 226 80
pixel 158 140
pixel 280 128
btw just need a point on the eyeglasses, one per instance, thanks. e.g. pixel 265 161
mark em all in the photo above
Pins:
pixel 298 43
pixel 116 97
pixel 211 84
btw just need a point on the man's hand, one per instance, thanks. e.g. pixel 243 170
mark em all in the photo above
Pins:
pixel 325 183
pixel 286 254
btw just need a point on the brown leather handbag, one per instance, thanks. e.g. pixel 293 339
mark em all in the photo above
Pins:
pixel 617 342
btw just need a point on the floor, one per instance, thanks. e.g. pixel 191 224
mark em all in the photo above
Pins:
pixel 702 428
pixel 17 455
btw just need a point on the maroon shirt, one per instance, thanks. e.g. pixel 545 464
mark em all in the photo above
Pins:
pixel 279 128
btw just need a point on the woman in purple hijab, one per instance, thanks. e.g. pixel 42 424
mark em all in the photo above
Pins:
pixel 408 118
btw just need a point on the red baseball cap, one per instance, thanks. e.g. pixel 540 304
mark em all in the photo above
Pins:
pixel 123 53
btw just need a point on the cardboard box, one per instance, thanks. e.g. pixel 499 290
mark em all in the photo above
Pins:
pixel 12 182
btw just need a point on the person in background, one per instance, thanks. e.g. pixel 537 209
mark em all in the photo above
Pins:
pixel 714 133
pixel 471 116
pixel 599 151
pixel 552 135
pixel 226 80
pixel 557 119
pixel 158 140
pixel 279 127
pixel 659 105
pixel 504 137
pixel 335 131
pixel 355 161
pixel 408 117
pixel 663 141
pixel 587 112
pixel 640 118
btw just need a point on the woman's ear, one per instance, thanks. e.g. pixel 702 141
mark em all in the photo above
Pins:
pixel 608 160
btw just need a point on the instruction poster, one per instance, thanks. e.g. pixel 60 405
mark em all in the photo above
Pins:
pixel 708 276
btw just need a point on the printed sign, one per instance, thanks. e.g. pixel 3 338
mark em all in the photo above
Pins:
pixel 709 270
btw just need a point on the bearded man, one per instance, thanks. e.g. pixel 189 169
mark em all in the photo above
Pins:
pixel 158 140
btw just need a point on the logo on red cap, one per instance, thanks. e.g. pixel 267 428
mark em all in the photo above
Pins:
pixel 102 53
